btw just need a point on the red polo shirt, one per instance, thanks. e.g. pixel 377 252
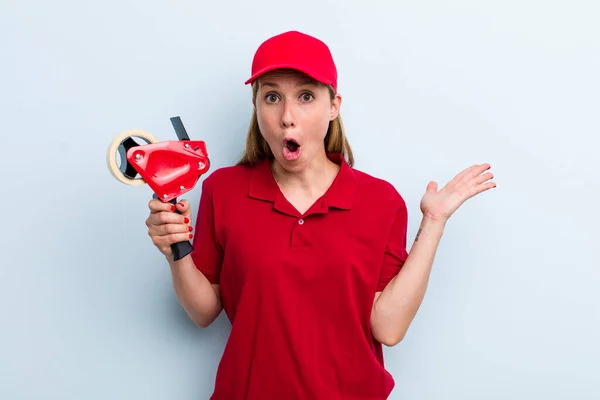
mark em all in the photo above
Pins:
pixel 299 288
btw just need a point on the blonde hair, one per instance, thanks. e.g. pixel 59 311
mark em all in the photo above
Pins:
pixel 257 148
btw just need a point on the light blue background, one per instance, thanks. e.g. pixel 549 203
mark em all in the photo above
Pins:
pixel 430 87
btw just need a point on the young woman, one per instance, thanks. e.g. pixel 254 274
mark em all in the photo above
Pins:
pixel 306 254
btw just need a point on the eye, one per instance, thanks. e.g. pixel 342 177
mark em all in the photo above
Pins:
pixel 307 96
pixel 271 98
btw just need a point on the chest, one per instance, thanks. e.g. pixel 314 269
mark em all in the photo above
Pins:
pixel 275 250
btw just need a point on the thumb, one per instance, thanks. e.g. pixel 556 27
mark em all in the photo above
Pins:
pixel 432 187
pixel 183 206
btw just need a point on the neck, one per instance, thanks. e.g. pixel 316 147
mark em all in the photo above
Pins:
pixel 315 178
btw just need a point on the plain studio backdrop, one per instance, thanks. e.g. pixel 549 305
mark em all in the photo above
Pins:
pixel 430 88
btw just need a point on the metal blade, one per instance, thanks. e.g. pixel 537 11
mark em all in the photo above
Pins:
pixel 179 129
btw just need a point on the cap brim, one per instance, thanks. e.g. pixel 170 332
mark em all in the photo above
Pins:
pixel 270 68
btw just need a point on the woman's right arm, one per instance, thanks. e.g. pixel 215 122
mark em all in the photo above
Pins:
pixel 199 298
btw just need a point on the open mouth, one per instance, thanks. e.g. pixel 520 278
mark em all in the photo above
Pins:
pixel 291 149
pixel 291 145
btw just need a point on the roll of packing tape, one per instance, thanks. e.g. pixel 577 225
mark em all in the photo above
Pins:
pixel 113 150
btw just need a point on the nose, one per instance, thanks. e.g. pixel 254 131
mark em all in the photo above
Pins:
pixel 287 116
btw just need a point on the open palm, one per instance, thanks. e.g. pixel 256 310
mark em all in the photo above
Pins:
pixel 441 204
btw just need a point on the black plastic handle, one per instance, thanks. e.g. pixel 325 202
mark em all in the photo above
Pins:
pixel 180 249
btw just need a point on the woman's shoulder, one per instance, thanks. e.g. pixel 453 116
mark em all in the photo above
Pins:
pixel 222 174
pixel 227 176
pixel 368 185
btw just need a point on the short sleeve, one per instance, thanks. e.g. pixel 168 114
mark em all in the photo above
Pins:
pixel 207 254
pixel 395 249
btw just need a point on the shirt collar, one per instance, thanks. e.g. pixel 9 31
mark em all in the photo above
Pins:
pixel 339 195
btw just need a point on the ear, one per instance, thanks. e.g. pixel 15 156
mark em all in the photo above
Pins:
pixel 336 104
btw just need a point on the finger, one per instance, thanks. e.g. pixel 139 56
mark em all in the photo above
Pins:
pixel 163 243
pixel 475 190
pixel 475 170
pixel 478 180
pixel 167 217
pixel 169 229
pixel 156 206
pixel 432 187
pixel 458 178
pixel 168 240
pixel 183 206
pixel 470 173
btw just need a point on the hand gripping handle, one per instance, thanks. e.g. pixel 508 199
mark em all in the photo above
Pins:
pixel 180 249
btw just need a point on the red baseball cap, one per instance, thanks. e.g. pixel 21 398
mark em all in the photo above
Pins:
pixel 295 50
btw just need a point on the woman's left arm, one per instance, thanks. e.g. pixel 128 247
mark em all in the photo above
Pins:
pixel 395 307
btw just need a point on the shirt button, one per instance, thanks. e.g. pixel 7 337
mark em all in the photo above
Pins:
pixel 300 221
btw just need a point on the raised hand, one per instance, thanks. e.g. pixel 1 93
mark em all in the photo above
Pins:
pixel 441 204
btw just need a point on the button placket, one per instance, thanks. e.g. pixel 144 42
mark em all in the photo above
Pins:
pixel 300 234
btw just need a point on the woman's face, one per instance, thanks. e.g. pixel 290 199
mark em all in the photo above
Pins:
pixel 293 113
